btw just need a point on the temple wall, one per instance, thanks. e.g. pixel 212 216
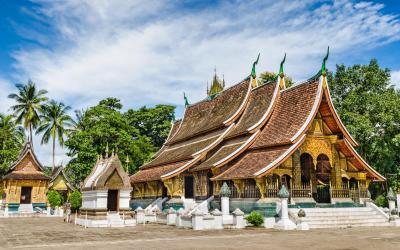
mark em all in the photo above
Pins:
pixel 13 190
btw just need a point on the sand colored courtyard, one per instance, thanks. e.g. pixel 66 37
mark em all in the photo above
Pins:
pixel 53 233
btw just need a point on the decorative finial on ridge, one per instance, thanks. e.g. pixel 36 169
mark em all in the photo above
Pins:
pixel 253 69
pixel 223 81
pixel 281 72
pixel 127 163
pixel 208 90
pixel 323 67
pixel 107 150
pixel 186 100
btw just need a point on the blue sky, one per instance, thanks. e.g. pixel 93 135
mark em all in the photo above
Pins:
pixel 147 52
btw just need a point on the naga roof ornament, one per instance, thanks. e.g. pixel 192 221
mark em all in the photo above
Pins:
pixel 281 74
pixel 186 99
pixel 253 72
pixel 323 67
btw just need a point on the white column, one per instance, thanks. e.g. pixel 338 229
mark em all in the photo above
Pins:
pixel 225 205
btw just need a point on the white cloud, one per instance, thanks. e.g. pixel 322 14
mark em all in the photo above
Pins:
pixel 145 52
pixel 395 78
pixel 5 90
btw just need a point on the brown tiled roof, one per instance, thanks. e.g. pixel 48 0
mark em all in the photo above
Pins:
pixel 258 104
pixel 211 114
pixel 184 150
pixel 174 128
pixel 21 175
pixel 220 154
pixel 347 149
pixel 252 162
pixel 155 173
pixel 290 114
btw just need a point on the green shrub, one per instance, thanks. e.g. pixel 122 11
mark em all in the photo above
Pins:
pixel 54 198
pixel 255 218
pixel 75 199
pixel 381 201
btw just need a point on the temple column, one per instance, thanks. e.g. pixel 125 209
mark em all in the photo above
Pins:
pixel 336 169
pixel 296 169
pixel 239 185
pixel 261 185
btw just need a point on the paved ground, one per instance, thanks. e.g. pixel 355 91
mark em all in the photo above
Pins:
pixel 45 233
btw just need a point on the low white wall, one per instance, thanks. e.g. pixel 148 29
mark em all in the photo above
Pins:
pixel 96 199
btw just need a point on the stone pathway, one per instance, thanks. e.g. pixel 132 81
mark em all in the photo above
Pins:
pixel 52 233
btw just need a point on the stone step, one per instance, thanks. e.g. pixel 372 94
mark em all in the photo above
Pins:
pixel 372 213
pixel 344 209
pixel 380 224
pixel 350 221
pixel 359 217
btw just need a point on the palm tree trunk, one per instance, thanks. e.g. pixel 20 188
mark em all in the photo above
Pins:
pixel 54 151
pixel 30 134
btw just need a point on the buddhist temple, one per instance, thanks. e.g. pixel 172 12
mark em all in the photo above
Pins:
pixel 105 195
pixel 256 138
pixel 60 182
pixel 25 183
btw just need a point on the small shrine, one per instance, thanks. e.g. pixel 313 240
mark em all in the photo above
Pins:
pixel 25 184
pixel 106 195
pixel 60 182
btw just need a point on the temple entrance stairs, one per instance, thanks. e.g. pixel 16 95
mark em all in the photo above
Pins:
pixel 25 210
pixel 114 219
pixel 343 217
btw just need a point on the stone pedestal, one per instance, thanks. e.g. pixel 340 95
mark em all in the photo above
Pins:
pixel 48 210
pixel 6 211
pixel 140 217
pixel 238 219
pixel 269 222
pixel 392 205
pixel 284 222
pixel 217 219
pixel 302 225
pixel 171 216
pixel 197 220
pixel 179 214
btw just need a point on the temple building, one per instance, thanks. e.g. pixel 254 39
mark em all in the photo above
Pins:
pixel 25 183
pixel 256 138
pixel 106 192
pixel 60 182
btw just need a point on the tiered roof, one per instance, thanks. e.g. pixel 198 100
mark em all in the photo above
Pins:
pixel 107 173
pixel 247 132
pixel 26 167
pixel 59 171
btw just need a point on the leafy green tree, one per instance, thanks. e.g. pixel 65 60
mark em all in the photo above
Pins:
pixel 29 103
pixel 270 76
pixel 75 198
pixel 153 122
pixel 12 137
pixel 54 124
pixel 54 198
pixel 100 126
pixel 370 108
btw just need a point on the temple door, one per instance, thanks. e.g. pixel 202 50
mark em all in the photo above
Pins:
pixel 323 175
pixel 112 200
pixel 189 186
pixel 26 193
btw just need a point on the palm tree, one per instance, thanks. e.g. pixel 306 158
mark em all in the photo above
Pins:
pixel 55 123
pixel 29 103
